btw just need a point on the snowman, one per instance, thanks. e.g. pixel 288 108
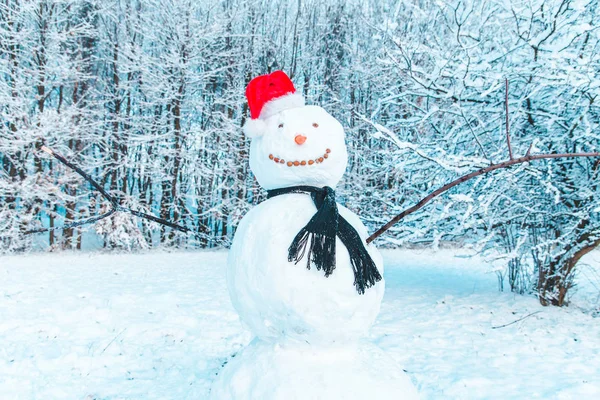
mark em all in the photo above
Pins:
pixel 300 273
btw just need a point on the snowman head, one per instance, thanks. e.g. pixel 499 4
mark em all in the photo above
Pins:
pixel 292 144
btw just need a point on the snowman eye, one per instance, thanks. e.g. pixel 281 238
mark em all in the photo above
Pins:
pixel 315 125
pixel 280 125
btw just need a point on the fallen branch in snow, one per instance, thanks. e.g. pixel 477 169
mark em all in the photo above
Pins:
pixel 514 322
pixel 504 164
pixel 114 203
pixel 112 341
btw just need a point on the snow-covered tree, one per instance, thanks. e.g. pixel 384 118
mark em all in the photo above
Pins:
pixel 461 69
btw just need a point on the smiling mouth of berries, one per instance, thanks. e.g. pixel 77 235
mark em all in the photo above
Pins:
pixel 300 163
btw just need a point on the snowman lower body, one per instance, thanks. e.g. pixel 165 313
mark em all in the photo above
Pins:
pixel 296 371
pixel 309 329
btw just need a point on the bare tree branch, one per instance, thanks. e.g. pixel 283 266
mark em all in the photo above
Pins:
pixel 464 178
pixel 114 203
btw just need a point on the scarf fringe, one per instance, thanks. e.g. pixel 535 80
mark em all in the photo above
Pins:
pixel 321 251
pixel 366 273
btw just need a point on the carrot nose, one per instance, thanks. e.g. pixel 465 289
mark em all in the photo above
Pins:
pixel 300 139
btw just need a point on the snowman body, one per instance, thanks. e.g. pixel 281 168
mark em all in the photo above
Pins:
pixel 281 300
pixel 309 327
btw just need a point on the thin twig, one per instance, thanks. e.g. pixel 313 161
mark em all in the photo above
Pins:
pixel 529 149
pixel 74 224
pixel 474 135
pixel 510 153
pixel 514 322
pixel 111 342
pixel 114 203
pixel 464 178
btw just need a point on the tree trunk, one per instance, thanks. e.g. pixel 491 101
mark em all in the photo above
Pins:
pixel 177 155
pixel 556 280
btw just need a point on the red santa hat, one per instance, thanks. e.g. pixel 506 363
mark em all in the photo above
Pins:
pixel 269 95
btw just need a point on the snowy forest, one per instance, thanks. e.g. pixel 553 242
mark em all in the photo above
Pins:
pixel 148 98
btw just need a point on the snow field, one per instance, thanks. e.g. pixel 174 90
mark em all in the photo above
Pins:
pixel 160 326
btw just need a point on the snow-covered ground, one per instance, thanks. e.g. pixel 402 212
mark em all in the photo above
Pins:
pixel 160 326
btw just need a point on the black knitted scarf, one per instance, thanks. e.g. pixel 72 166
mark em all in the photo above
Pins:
pixel 322 230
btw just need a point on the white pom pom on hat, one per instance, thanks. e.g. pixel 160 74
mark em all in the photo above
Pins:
pixel 254 127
